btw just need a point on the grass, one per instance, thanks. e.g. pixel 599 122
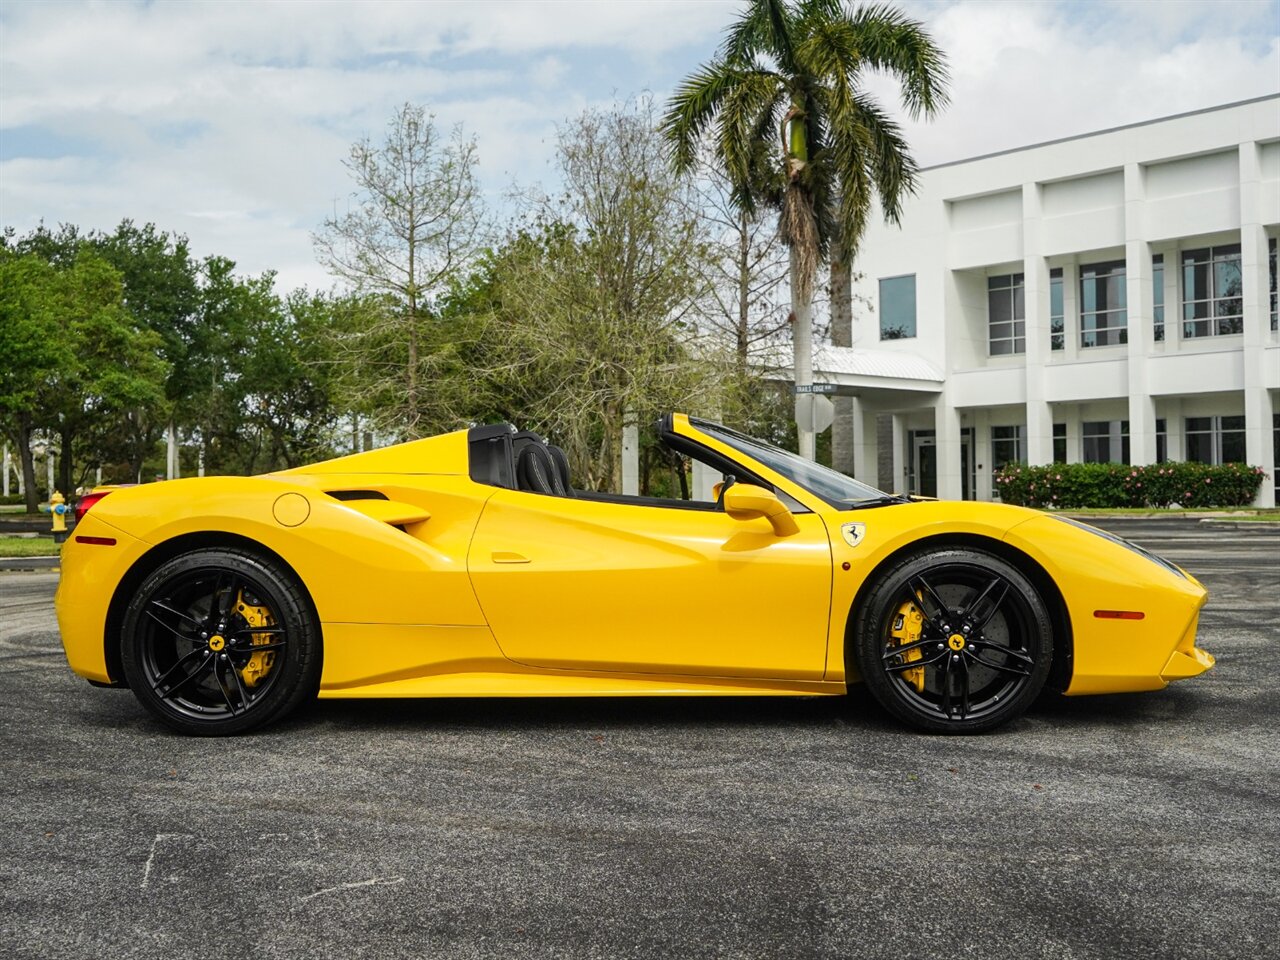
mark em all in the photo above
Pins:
pixel 27 547
pixel 1232 513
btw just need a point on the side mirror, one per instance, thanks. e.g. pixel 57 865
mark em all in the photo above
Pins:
pixel 746 501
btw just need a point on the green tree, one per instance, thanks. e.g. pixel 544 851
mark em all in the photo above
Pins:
pixel 595 301
pixel 33 349
pixel 415 225
pixel 788 83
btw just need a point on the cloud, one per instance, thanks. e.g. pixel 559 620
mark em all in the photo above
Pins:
pixel 229 121
pixel 1023 73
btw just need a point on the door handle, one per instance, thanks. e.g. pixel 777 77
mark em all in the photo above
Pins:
pixel 507 556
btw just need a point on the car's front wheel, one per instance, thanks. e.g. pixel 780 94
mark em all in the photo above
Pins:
pixel 220 641
pixel 955 640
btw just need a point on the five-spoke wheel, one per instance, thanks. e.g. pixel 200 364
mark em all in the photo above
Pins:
pixel 219 642
pixel 954 641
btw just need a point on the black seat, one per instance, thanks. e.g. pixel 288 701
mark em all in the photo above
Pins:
pixel 536 471
pixel 562 467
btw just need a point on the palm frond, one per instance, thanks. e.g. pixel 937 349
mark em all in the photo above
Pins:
pixel 693 107
pixel 765 27
pixel 887 39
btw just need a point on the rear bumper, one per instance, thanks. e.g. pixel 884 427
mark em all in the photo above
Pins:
pixel 90 575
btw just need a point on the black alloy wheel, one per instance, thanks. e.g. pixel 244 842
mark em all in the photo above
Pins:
pixel 954 641
pixel 219 642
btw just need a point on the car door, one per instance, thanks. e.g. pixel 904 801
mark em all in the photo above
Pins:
pixel 635 587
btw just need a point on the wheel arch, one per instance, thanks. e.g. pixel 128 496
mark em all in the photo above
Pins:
pixel 163 552
pixel 1063 636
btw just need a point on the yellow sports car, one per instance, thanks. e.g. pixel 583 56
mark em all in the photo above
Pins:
pixel 467 565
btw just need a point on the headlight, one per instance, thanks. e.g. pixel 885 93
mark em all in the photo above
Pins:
pixel 1128 545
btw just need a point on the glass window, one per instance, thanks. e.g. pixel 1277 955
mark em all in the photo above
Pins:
pixel 1272 245
pixel 835 488
pixel 1105 441
pixel 898 308
pixel 1212 287
pixel 1059 443
pixel 1057 314
pixel 1157 295
pixel 1008 445
pixel 1162 441
pixel 1006 315
pixel 1215 439
pixel 1104 317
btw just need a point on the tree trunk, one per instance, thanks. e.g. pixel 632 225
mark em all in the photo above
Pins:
pixel 802 340
pixel 30 494
pixel 842 433
pixel 744 290
pixel 64 465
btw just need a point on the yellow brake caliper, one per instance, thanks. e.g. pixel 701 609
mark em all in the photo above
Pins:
pixel 259 664
pixel 907 625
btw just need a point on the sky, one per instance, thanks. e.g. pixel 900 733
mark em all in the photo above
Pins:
pixel 229 121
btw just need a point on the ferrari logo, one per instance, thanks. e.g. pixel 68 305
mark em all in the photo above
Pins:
pixel 955 642
pixel 853 533
pixel 216 643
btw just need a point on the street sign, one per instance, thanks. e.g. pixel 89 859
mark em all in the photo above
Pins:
pixel 814 412
pixel 827 388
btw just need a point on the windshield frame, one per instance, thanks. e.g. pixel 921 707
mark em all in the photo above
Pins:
pixel 798 470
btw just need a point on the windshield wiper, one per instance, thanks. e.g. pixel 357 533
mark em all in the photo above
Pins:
pixel 887 500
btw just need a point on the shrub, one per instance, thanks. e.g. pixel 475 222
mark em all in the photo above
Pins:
pixel 1074 485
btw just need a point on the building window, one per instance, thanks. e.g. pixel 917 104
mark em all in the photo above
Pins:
pixel 898 308
pixel 1162 441
pixel 1006 315
pixel 1215 439
pixel 1057 314
pixel 1008 445
pixel 1272 258
pixel 1104 317
pixel 1105 441
pixel 1157 295
pixel 1212 304
pixel 1059 443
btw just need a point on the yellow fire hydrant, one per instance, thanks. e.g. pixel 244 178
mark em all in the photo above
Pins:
pixel 58 510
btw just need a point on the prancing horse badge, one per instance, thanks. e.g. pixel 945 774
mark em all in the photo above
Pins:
pixel 853 533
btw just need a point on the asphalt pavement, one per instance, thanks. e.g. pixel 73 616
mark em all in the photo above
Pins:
pixel 1143 826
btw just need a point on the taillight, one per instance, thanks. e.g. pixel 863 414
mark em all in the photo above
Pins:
pixel 87 501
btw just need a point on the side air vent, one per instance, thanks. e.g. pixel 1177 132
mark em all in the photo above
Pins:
pixel 357 495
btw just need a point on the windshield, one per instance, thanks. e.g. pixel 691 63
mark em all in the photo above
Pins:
pixel 833 487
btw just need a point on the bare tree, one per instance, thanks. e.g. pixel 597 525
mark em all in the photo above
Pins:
pixel 415 222
pixel 596 315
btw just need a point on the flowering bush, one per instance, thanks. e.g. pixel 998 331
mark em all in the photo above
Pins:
pixel 1076 485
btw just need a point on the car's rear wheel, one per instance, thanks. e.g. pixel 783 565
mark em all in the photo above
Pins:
pixel 954 641
pixel 220 641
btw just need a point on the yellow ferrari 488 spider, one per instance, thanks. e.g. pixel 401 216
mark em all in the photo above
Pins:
pixel 467 565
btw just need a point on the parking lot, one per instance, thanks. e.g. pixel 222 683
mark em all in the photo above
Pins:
pixel 1126 826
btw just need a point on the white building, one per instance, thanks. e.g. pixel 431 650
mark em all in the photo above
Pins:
pixel 1103 297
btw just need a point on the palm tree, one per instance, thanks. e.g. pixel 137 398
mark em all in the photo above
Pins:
pixel 787 85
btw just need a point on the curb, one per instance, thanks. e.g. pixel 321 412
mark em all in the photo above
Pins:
pixel 29 563
pixel 1259 526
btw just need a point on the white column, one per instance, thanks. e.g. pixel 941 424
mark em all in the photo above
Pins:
pixel 946 420
pixel 1257 322
pixel 982 451
pixel 900 454
pixel 171 453
pixel 1071 311
pixel 1176 447
pixel 1075 432
pixel 866 448
pixel 631 457
pixel 802 342
pixel 1035 270
pixel 1137 254
pixel 48 461
pixel 6 470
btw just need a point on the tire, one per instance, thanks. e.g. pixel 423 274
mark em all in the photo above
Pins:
pixel 218 642
pixel 978 630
